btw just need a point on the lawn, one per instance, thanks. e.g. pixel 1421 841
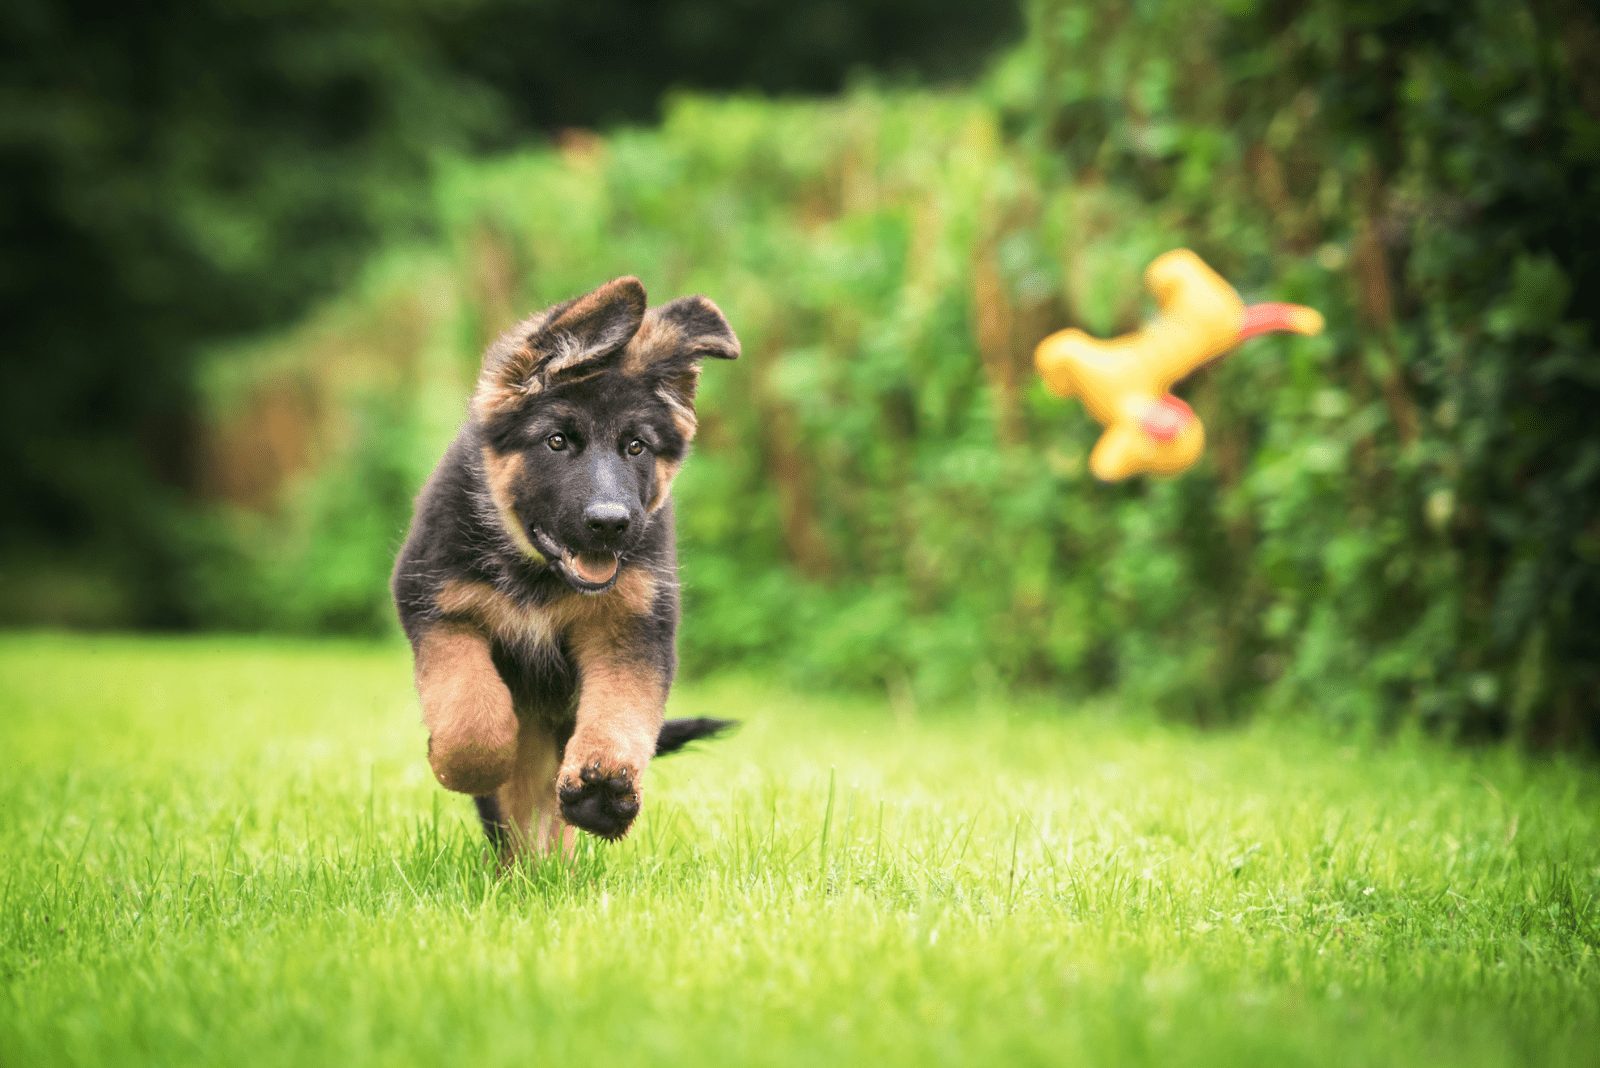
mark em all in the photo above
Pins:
pixel 229 852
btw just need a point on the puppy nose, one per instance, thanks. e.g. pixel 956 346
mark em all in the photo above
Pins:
pixel 609 520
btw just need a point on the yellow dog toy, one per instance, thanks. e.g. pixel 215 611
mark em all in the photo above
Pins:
pixel 1125 382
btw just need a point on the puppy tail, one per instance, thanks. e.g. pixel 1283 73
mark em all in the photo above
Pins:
pixel 677 733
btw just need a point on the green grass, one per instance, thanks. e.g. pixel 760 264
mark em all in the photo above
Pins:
pixel 230 852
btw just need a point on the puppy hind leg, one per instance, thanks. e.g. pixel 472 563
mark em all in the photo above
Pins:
pixel 527 801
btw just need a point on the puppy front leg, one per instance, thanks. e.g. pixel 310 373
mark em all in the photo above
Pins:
pixel 619 718
pixel 472 727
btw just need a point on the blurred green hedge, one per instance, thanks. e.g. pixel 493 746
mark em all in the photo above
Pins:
pixel 195 171
pixel 1395 523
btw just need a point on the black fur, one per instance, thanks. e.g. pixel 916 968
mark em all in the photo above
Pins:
pixel 493 821
pixel 677 733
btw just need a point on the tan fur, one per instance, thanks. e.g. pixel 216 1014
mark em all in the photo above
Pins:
pixel 620 706
pixel 502 472
pixel 564 343
pixel 666 471
pixel 532 626
pixel 528 799
pixel 497 614
pixel 475 742
pixel 566 352
pixel 683 415
pixel 503 386
pixel 620 703
pixel 656 338
pixel 472 727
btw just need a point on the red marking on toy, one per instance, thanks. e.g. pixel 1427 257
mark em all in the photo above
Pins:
pixel 1273 317
pixel 1165 419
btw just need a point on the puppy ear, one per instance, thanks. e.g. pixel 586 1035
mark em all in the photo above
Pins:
pixel 669 348
pixel 690 329
pixel 532 355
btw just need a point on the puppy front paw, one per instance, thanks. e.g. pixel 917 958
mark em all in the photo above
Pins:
pixel 600 797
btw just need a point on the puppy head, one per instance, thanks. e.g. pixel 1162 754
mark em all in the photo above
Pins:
pixel 586 412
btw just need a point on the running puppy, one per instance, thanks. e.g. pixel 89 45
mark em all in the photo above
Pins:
pixel 538 583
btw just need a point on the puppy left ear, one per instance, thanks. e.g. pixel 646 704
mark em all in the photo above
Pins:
pixel 539 351
pixel 671 343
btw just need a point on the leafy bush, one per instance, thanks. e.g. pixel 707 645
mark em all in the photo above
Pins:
pixel 1395 522
pixel 1420 508
pixel 187 174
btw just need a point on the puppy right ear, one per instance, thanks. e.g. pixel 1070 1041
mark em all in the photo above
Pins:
pixel 676 338
pixel 536 352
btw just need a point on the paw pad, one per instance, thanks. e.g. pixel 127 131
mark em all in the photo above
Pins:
pixel 602 802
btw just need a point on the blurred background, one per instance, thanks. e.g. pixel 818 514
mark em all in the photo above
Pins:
pixel 253 249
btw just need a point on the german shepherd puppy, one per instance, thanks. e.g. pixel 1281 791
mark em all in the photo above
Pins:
pixel 538 583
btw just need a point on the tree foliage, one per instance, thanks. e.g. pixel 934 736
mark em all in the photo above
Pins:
pixel 177 174
pixel 1395 523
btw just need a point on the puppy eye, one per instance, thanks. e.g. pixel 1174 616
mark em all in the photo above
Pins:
pixel 557 442
pixel 635 447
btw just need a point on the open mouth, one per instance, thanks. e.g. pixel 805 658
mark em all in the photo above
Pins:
pixel 593 570
pixel 586 572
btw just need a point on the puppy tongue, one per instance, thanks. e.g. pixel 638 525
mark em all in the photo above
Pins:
pixel 594 567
